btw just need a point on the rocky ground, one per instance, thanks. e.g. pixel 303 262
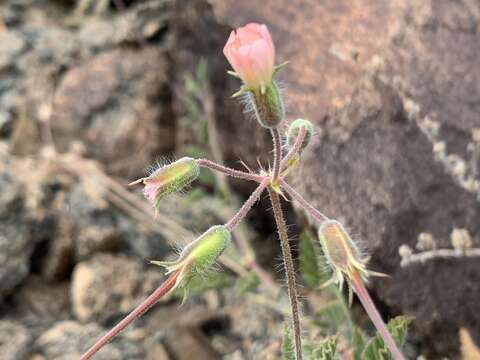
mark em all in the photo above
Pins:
pixel 89 101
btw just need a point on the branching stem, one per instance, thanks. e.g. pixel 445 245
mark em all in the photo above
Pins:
pixel 289 269
pixel 229 171
pixel 138 311
pixel 243 211
pixel 317 215
pixel 277 153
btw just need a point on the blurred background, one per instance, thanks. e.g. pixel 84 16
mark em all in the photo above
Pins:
pixel 93 92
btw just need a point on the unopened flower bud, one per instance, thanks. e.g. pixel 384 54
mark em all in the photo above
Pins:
pixel 339 249
pixel 169 179
pixel 294 129
pixel 343 255
pixel 200 255
pixel 251 53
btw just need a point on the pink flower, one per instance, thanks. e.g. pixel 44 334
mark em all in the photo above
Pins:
pixel 251 53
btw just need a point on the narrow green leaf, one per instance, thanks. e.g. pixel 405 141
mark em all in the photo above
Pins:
pixel 376 349
pixel 309 267
pixel 288 348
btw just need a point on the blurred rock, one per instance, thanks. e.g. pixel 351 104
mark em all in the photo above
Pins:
pixel 16 241
pixel 155 349
pixel 109 82
pixel 107 286
pixel 119 103
pixel 38 304
pixel 15 340
pixel 68 340
pixel 185 341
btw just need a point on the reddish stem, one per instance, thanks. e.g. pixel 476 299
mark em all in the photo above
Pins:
pixel 295 149
pixel 247 205
pixel 229 171
pixel 372 312
pixel 317 215
pixel 137 312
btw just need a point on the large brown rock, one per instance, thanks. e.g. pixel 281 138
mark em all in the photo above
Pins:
pixel 373 166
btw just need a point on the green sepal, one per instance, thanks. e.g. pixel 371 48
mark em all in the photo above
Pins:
pixel 279 67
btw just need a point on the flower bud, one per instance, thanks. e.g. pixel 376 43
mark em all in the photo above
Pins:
pixel 168 179
pixel 268 106
pixel 200 255
pixel 337 245
pixel 294 129
pixel 251 53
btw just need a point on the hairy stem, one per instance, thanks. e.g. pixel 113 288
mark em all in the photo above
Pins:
pixel 228 171
pixel 243 211
pixel 138 311
pixel 317 215
pixel 289 269
pixel 295 149
pixel 277 153
pixel 372 312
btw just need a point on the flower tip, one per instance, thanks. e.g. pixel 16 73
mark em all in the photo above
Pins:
pixel 138 181
pixel 169 179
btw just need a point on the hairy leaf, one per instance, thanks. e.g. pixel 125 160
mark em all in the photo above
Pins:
pixel 288 348
pixel 376 349
pixel 323 351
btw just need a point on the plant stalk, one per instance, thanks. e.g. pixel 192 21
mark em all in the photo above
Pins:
pixel 228 171
pixel 289 269
pixel 138 311
pixel 295 149
pixel 370 308
pixel 317 215
pixel 243 211
pixel 277 153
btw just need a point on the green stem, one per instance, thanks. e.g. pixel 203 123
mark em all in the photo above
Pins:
pixel 289 269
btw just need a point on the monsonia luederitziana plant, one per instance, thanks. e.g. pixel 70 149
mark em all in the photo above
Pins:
pixel 250 51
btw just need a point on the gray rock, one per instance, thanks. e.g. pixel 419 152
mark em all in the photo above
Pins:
pixel 16 242
pixel 38 304
pixel 11 45
pixel 15 340
pixel 68 340
pixel 375 170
